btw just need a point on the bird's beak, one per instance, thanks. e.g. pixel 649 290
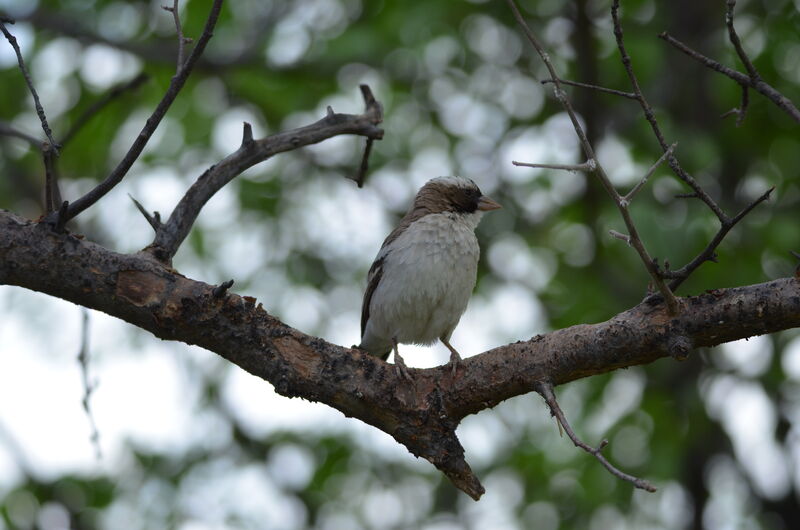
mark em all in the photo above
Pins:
pixel 485 204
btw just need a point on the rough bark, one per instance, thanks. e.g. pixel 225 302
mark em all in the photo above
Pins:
pixel 423 417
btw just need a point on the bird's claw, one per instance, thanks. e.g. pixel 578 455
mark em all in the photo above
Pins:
pixel 454 363
pixel 402 369
pixel 455 359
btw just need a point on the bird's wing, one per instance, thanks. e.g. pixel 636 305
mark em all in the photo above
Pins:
pixel 373 279
pixel 376 271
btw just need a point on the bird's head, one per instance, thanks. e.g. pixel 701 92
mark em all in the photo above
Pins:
pixel 453 194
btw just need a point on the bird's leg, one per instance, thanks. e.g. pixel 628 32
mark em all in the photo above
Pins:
pixel 399 364
pixel 455 358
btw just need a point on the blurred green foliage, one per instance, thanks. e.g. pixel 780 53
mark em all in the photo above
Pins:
pixel 461 95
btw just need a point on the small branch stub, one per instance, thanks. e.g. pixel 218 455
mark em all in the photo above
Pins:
pixel 220 290
pixel 620 236
pixel 247 136
pixel 588 166
pixel 679 347
pixel 153 220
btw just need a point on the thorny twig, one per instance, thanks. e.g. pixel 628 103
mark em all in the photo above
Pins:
pixel 153 220
pixel 726 222
pixel 635 240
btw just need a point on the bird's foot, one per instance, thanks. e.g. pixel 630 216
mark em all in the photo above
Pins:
pixel 399 364
pixel 402 369
pixel 455 358
pixel 455 361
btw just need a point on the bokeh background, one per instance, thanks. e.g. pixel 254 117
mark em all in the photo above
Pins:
pixel 189 441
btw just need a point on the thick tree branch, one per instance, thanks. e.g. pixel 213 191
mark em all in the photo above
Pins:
pixel 171 234
pixel 144 292
pixel 175 86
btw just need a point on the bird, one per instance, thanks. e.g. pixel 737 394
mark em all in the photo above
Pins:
pixel 422 278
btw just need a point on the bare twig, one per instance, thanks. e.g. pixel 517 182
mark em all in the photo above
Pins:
pixel 629 95
pixel 175 86
pixel 622 206
pixel 709 253
pixel 182 41
pixel 741 110
pixel 39 110
pixel 620 236
pixel 588 166
pixel 88 387
pixel 726 222
pixel 100 104
pixel 364 167
pixel 370 102
pixel 172 233
pixel 737 44
pixel 545 389
pixel 651 118
pixel 6 129
pixel 631 194
pixel 52 194
pixel 756 83
pixel 153 220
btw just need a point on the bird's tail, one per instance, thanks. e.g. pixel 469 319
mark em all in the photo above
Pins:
pixel 377 348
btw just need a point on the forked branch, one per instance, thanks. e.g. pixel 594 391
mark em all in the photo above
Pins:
pixel 752 79
pixel 634 239
pixel 171 234
pixel 175 86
